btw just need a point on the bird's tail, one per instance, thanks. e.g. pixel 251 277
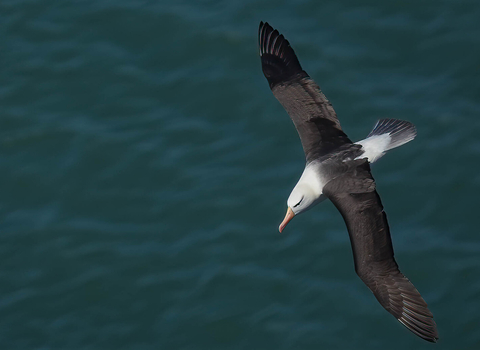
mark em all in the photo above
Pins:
pixel 400 131
pixel 385 135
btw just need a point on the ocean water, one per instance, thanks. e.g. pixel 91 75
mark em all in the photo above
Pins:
pixel 145 167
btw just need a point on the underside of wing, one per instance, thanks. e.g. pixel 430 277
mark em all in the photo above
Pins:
pixel 353 193
pixel 313 115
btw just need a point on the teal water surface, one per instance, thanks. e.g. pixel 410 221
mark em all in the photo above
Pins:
pixel 145 167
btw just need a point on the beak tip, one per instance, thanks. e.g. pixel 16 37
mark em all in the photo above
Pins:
pixel 289 216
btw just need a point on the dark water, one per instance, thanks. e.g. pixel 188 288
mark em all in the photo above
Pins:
pixel 145 167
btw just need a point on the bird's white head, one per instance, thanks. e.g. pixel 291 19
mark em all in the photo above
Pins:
pixel 306 193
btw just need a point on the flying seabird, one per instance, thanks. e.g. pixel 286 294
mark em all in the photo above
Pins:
pixel 338 169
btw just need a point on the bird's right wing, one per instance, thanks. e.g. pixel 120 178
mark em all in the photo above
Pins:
pixel 354 195
pixel 313 115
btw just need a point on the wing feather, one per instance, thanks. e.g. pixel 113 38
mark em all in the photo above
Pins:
pixel 354 195
pixel 312 114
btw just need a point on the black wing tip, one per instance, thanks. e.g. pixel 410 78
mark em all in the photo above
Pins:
pixel 412 312
pixel 279 62
pixel 419 320
pixel 427 330
pixel 261 25
pixel 400 298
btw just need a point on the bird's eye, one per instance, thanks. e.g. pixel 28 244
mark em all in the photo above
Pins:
pixel 296 205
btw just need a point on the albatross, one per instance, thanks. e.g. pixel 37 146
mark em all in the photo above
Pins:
pixel 338 169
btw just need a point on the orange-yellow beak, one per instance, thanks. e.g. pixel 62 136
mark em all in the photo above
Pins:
pixel 289 216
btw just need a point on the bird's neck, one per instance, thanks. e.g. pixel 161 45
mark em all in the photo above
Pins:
pixel 312 178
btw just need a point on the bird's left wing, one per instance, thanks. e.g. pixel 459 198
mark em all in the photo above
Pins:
pixel 312 114
pixel 353 193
